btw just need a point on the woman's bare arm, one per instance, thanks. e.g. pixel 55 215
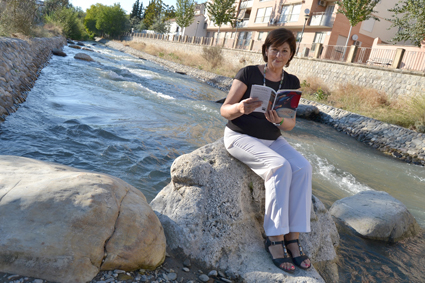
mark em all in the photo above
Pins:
pixel 232 108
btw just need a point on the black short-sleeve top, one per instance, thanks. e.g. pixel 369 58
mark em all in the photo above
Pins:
pixel 256 124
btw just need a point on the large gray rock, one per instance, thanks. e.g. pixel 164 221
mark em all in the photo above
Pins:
pixel 213 211
pixel 376 215
pixel 65 225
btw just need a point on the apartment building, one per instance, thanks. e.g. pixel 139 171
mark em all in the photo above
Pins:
pixel 312 21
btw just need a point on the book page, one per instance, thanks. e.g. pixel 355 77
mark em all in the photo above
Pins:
pixel 286 103
pixel 264 94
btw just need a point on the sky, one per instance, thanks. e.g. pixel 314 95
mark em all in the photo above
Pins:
pixel 127 5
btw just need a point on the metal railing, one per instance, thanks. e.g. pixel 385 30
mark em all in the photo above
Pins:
pixel 380 57
pixel 322 19
pixel 413 60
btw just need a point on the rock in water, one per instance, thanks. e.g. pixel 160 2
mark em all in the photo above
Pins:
pixel 83 56
pixel 65 225
pixel 58 52
pixel 213 211
pixel 376 215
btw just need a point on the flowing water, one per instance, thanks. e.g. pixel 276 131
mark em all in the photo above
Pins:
pixel 131 118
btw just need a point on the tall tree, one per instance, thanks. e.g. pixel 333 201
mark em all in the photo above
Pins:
pixel 185 13
pixel 169 12
pixel 221 12
pixel 356 12
pixel 136 10
pixel 153 12
pixel 409 17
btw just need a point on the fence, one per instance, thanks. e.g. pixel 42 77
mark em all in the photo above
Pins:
pixel 381 57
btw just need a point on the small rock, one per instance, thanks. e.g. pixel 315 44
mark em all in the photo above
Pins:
pixel 213 273
pixel 221 274
pixel 185 269
pixel 124 277
pixel 172 276
pixel 38 281
pixel 204 278
pixel 13 276
pixel 187 263
pixel 143 278
pixel 226 280
pixel 142 271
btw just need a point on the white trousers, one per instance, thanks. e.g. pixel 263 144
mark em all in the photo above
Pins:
pixel 287 178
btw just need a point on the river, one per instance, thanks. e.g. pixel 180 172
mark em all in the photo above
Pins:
pixel 131 118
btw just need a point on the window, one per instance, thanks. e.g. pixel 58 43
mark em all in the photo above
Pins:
pixel 290 13
pixel 319 37
pixel 368 25
pixel 263 15
pixel 205 25
pixel 298 37
pixel 260 35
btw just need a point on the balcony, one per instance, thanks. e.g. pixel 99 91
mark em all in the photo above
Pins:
pixel 243 23
pixel 322 19
pixel 246 4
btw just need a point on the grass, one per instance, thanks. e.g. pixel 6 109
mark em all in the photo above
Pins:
pixel 408 112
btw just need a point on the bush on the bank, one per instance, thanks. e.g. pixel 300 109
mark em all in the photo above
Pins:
pixel 212 55
pixel 18 16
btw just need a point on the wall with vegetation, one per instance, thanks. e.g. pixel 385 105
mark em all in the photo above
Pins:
pixel 20 64
pixel 394 82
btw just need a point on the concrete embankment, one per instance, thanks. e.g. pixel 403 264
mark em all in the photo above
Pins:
pixel 397 141
pixel 20 64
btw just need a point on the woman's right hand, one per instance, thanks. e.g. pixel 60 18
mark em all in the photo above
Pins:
pixel 248 105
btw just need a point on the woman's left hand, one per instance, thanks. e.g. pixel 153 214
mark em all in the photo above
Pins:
pixel 271 116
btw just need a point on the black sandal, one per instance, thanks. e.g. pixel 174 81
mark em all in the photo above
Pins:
pixel 278 261
pixel 299 259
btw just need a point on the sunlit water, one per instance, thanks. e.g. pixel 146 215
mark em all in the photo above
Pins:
pixel 131 118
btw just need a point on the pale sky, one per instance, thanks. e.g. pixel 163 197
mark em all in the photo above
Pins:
pixel 127 5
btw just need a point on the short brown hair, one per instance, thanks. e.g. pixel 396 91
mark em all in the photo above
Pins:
pixel 278 37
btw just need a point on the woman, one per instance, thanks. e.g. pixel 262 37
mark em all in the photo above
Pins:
pixel 255 139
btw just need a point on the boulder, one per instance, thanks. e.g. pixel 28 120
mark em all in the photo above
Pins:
pixel 65 225
pixel 83 56
pixel 375 215
pixel 307 111
pixel 58 52
pixel 212 211
pixel 75 46
pixel 80 43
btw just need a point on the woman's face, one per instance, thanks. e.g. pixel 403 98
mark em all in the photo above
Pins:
pixel 278 56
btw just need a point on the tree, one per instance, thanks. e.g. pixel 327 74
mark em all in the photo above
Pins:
pixel 356 12
pixel 101 19
pixel 137 10
pixel 185 13
pixel 221 12
pixel 169 12
pixel 153 12
pixel 160 26
pixel 51 6
pixel 90 20
pixel 409 17
pixel 112 20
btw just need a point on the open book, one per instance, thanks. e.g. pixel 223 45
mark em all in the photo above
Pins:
pixel 285 101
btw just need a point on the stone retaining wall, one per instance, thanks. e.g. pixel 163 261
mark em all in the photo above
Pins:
pixel 397 141
pixel 20 64
pixel 394 82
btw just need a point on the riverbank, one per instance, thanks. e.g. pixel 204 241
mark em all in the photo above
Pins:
pixel 399 142
pixel 20 64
